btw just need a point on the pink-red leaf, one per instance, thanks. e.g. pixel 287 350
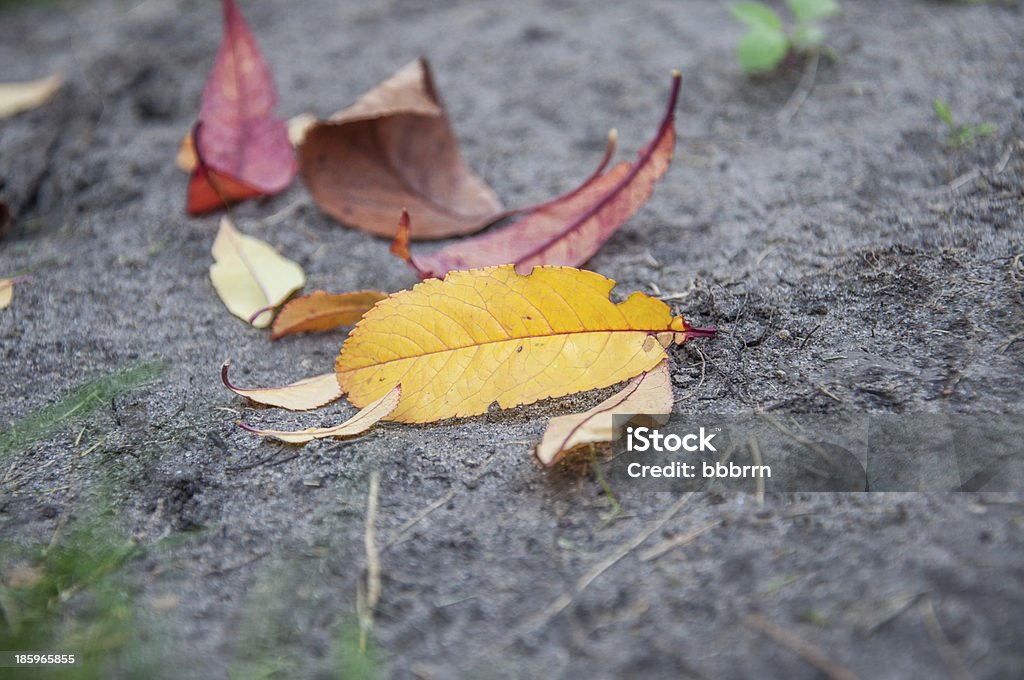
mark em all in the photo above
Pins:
pixel 239 142
pixel 568 230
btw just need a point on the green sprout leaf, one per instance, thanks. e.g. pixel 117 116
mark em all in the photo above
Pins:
pixel 808 37
pixel 755 15
pixel 762 49
pixel 968 133
pixel 811 10
pixel 943 112
pixel 960 135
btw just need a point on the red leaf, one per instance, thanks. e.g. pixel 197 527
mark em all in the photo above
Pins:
pixel 567 230
pixel 244 148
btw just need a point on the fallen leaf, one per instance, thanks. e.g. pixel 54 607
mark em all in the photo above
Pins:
pixel 568 230
pixel 491 335
pixel 16 98
pixel 241 148
pixel 395 149
pixel 298 126
pixel 357 424
pixel 303 395
pixel 250 276
pixel 649 393
pixel 322 311
pixel 187 161
pixel 7 290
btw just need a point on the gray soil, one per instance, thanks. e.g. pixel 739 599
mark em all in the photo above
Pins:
pixel 851 260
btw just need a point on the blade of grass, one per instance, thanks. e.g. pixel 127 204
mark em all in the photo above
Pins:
pixel 79 403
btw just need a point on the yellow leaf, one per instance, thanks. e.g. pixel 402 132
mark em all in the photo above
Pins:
pixel 357 424
pixel 303 395
pixel 491 335
pixel 250 276
pixel 7 292
pixel 18 97
pixel 649 393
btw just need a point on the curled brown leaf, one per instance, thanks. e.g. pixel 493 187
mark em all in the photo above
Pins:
pixel 393 149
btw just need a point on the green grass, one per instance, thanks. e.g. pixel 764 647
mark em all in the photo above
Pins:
pixel 70 598
pixel 78 404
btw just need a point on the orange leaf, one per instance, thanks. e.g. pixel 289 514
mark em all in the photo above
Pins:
pixel 570 229
pixel 241 148
pixel 649 393
pixel 322 311
pixel 357 424
pixel 395 149
pixel 303 395
pixel 209 191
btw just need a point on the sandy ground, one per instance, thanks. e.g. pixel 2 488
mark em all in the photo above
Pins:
pixel 852 261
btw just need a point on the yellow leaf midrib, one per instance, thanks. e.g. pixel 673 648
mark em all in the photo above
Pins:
pixel 495 342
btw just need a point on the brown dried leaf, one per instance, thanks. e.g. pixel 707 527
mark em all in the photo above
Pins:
pixel 392 150
pixel 649 393
pixel 322 311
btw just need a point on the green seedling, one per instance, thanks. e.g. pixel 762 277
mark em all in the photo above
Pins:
pixel 768 42
pixel 960 135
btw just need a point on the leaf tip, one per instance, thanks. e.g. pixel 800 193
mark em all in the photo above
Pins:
pixel 400 245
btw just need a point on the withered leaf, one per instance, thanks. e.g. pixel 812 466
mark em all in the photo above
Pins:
pixel 242 149
pixel 393 149
pixel 649 393
pixel 357 424
pixel 567 230
pixel 303 395
pixel 7 291
pixel 250 277
pixel 16 98
pixel 491 335
pixel 322 311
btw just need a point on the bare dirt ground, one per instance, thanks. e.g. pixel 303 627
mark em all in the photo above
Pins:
pixel 851 260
